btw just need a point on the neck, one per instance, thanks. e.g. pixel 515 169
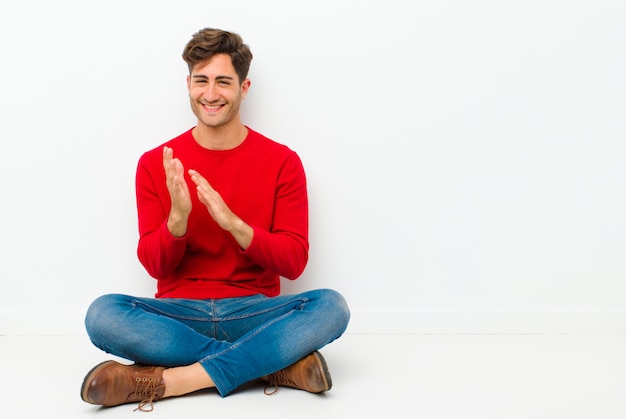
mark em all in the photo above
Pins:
pixel 224 137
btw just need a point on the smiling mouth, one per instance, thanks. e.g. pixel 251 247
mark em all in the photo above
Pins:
pixel 211 108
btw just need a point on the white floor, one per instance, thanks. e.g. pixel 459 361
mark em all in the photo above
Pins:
pixel 383 376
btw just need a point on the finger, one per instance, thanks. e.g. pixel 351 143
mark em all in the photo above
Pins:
pixel 167 156
pixel 201 197
pixel 169 163
pixel 176 171
pixel 198 179
pixel 203 188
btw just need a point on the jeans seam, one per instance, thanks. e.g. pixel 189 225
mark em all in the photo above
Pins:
pixel 211 315
pixel 208 318
pixel 258 330
pixel 257 313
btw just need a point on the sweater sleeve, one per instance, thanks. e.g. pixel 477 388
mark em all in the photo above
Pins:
pixel 284 248
pixel 158 250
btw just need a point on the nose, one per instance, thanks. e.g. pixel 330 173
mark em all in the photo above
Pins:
pixel 210 94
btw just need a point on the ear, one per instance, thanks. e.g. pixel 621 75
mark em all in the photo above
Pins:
pixel 188 82
pixel 244 88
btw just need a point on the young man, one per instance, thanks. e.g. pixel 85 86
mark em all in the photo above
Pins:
pixel 223 213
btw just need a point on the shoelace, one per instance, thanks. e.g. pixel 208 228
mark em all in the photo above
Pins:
pixel 146 390
pixel 276 379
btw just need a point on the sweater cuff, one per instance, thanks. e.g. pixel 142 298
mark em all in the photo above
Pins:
pixel 254 244
pixel 168 239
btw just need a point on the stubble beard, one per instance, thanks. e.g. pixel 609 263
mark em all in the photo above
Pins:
pixel 224 119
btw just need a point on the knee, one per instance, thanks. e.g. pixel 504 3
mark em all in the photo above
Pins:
pixel 100 314
pixel 336 304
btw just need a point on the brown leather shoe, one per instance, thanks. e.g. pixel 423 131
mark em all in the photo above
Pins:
pixel 310 374
pixel 111 383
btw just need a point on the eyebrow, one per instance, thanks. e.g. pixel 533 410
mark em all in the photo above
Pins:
pixel 203 77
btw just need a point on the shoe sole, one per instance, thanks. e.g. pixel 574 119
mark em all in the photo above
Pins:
pixel 84 388
pixel 328 382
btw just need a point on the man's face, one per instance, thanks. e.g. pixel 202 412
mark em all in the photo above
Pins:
pixel 214 91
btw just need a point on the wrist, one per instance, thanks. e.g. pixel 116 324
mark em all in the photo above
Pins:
pixel 177 224
pixel 242 232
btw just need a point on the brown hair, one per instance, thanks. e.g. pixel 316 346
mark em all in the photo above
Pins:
pixel 207 42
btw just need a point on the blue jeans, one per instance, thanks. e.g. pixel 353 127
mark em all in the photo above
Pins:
pixel 236 340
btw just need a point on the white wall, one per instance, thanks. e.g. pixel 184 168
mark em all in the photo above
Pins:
pixel 466 160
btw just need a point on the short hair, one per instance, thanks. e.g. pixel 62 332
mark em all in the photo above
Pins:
pixel 207 42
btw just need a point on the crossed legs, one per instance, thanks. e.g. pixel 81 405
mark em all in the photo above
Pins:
pixel 215 343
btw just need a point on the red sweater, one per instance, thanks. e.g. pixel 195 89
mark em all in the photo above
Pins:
pixel 262 182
